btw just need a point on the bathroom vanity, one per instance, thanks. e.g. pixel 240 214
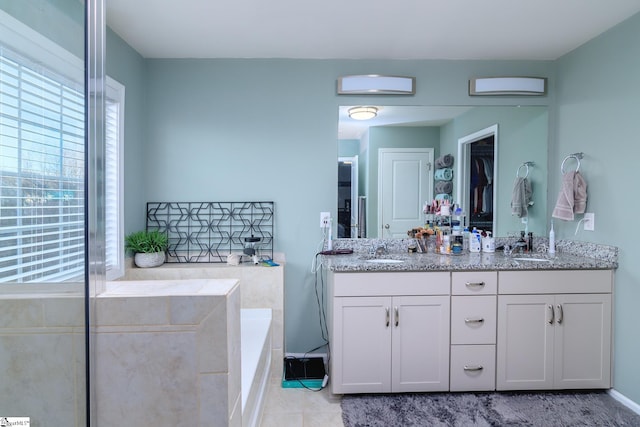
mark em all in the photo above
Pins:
pixel 476 322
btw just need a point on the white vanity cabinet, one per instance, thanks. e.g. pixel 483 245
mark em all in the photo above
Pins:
pixel 554 329
pixel 389 331
pixel 473 330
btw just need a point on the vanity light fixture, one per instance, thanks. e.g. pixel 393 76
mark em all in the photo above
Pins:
pixel 363 113
pixel 515 86
pixel 376 84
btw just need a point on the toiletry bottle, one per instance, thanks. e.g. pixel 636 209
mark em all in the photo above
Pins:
pixel 530 242
pixel 465 239
pixel 552 240
pixel 474 241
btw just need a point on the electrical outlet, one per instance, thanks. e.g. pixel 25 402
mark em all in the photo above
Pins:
pixel 589 221
pixel 325 219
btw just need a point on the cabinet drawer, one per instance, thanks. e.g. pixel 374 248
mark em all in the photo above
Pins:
pixel 389 284
pixel 473 367
pixel 556 282
pixel 473 319
pixel 474 282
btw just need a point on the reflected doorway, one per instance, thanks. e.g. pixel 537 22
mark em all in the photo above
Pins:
pixel 347 226
pixel 477 154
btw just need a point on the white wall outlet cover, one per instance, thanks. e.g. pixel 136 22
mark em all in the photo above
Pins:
pixel 325 219
pixel 589 221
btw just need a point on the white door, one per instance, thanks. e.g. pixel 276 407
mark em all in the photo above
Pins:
pixel 582 341
pixel 420 344
pixel 361 345
pixel 405 182
pixel 525 342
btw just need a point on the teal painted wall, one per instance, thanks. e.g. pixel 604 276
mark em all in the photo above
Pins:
pixel 522 137
pixel 239 129
pixel 597 113
pixel 129 68
pixel 348 147
pixel 61 21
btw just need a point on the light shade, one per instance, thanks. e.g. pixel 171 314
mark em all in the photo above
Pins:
pixel 376 84
pixel 363 113
pixel 508 86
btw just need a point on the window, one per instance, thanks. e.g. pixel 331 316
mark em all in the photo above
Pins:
pixel 42 164
pixel 41 174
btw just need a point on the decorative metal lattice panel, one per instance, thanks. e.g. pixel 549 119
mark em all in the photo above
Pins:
pixel 209 231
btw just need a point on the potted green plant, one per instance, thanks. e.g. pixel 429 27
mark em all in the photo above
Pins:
pixel 148 247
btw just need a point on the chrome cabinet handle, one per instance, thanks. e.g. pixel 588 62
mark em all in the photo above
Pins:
pixel 397 314
pixel 551 316
pixel 560 314
pixel 478 320
pixel 388 317
pixel 473 367
pixel 474 284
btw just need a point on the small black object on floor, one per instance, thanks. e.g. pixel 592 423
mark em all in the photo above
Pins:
pixel 303 372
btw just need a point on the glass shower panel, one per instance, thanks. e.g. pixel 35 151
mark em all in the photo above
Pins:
pixel 42 213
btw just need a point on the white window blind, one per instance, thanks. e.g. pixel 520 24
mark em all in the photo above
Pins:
pixel 41 173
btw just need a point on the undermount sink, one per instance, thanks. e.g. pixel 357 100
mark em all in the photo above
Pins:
pixel 531 259
pixel 384 261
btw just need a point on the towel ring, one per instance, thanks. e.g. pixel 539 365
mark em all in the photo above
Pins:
pixel 526 172
pixel 576 156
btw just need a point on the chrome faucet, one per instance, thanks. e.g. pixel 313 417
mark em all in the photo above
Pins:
pixel 519 246
pixel 377 251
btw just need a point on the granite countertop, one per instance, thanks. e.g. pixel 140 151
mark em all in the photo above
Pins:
pixel 571 256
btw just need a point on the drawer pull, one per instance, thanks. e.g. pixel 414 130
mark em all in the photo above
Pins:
pixel 474 284
pixel 478 320
pixel 387 310
pixel 397 315
pixel 473 367
pixel 550 314
pixel 560 314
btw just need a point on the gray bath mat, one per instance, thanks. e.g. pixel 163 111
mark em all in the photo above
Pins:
pixel 557 409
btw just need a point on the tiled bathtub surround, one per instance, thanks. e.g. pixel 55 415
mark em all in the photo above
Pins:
pixel 261 287
pixel 46 389
pixel 165 357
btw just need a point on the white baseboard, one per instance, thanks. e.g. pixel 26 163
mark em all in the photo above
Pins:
pixel 624 400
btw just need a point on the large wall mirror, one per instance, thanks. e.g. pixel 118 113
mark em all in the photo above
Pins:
pixel 523 136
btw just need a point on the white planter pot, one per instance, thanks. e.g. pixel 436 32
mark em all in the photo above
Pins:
pixel 149 260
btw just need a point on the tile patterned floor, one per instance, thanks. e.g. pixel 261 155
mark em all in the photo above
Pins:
pixel 298 407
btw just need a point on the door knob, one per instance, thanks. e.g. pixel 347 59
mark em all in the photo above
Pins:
pixel 386 226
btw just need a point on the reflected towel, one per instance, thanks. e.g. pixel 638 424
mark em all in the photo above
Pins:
pixel 444 187
pixel 445 161
pixel 521 197
pixel 445 174
pixel 572 198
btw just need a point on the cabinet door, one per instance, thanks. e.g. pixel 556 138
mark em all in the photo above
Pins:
pixel 525 342
pixel 582 341
pixel 420 343
pixel 361 345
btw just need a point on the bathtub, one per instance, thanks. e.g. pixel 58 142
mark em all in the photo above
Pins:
pixel 255 344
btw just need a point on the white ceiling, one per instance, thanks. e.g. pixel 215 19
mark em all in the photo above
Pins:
pixel 363 29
